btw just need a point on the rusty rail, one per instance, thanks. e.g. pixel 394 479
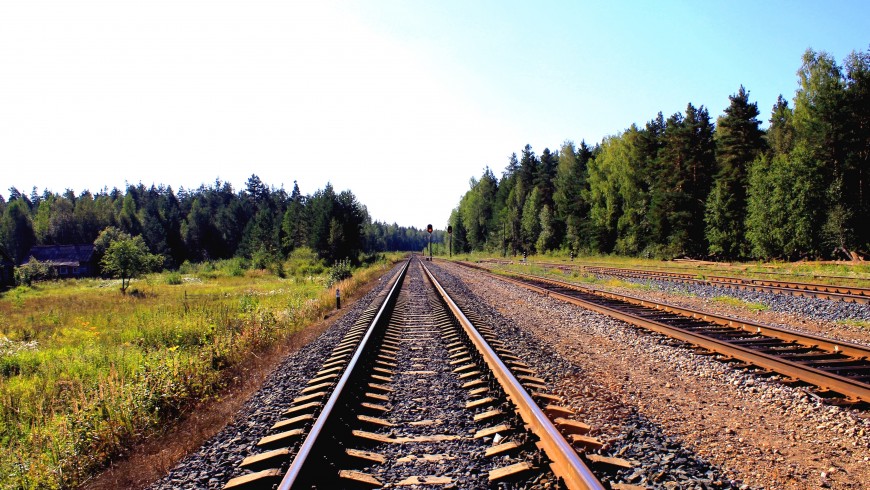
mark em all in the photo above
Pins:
pixel 854 390
pixel 851 294
pixel 566 464
pixel 299 461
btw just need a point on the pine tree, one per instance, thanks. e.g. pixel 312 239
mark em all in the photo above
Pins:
pixel 460 238
pixel 739 142
pixel 569 207
pixel 821 120
pixel 127 218
pixel 545 175
pixel 780 135
pixel 683 180
pixel 293 225
pixel 547 236
pixel 857 192
pixel 531 220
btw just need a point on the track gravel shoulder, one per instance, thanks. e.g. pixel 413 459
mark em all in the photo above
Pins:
pixel 753 432
pixel 830 318
pixel 218 459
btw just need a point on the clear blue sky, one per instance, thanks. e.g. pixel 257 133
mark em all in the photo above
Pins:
pixel 400 101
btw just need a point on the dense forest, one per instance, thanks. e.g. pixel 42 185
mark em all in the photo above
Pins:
pixel 260 223
pixel 686 186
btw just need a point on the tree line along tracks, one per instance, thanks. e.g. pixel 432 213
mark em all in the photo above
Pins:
pixel 838 372
pixel 849 294
pixel 419 393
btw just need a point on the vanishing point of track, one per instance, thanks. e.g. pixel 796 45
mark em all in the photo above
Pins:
pixel 415 371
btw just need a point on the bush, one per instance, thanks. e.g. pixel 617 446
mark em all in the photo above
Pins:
pixel 234 267
pixel 187 268
pixel 340 271
pixel 173 278
pixel 33 270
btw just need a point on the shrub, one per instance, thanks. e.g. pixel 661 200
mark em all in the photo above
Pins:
pixel 33 270
pixel 338 272
pixel 173 279
pixel 234 267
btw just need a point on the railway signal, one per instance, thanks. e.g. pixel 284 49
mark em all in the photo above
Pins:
pixel 429 229
pixel 450 238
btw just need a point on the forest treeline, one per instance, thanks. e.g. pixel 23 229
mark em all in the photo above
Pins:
pixel 259 222
pixel 686 186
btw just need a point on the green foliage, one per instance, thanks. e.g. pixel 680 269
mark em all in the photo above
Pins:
pixel 174 278
pixel 127 258
pixel 569 187
pixel 32 271
pixel 477 210
pixel 683 187
pixel 739 303
pixel 531 222
pixel 739 142
pixel 339 271
pixel 785 206
pixel 79 386
pixel 16 229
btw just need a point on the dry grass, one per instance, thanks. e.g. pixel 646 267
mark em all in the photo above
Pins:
pixel 153 458
pixel 87 373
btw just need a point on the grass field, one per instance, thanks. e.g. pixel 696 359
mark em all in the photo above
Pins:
pixel 86 372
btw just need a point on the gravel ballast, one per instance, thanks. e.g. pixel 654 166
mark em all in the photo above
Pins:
pixel 809 307
pixel 691 421
pixel 217 460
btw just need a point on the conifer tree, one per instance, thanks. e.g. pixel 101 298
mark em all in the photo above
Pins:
pixel 531 220
pixel 739 142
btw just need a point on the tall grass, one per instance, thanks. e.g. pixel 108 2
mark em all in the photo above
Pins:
pixel 86 372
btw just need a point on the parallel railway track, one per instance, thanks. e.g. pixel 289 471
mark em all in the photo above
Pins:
pixel 416 380
pixel 840 371
pixel 850 294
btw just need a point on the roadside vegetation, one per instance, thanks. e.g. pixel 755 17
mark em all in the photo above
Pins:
pixel 739 303
pixel 86 372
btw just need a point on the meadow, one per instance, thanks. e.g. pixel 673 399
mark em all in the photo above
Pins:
pixel 86 372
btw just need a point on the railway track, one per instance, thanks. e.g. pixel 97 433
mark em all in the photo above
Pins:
pixel 839 371
pixel 849 294
pixel 418 393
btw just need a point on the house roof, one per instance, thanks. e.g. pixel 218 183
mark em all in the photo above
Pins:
pixel 70 255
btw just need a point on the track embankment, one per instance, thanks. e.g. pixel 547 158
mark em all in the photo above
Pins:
pixel 761 434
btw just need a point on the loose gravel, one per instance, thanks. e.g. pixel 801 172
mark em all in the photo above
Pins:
pixel 686 420
pixel 628 434
pixel 809 307
pixel 428 401
pixel 217 460
pixel 702 297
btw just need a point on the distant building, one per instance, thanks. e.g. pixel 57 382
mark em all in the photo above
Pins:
pixel 67 260
pixel 7 269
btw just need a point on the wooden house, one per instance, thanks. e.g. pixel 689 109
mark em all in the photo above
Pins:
pixel 67 260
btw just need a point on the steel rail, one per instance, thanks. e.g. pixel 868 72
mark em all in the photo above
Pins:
pixel 826 380
pixel 566 464
pixel 711 270
pixel 307 446
pixel 841 293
